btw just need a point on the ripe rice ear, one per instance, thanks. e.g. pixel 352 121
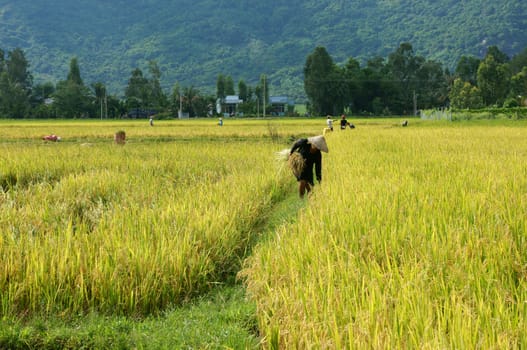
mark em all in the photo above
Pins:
pixel 296 163
pixel 282 155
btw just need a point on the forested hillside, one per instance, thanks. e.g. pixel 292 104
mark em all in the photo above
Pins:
pixel 195 41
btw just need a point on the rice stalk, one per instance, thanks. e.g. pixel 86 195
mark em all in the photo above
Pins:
pixel 296 163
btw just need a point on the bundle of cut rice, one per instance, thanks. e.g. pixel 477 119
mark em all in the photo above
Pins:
pixel 296 163
pixel 283 155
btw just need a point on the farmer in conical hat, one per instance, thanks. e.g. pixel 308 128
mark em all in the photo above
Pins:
pixel 305 154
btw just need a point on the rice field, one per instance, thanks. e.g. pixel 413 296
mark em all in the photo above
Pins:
pixel 415 239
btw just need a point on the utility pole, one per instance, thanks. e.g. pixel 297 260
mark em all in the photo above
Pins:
pixel 180 106
pixel 415 104
pixel 264 79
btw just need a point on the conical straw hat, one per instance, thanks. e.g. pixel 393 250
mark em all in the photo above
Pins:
pixel 319 142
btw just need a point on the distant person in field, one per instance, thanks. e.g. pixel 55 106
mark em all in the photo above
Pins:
pixel 303 156
pixel 329 123
pixel 51 137
pixel 344 123
pixel 152 121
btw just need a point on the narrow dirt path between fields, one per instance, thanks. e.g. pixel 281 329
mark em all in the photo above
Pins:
pixel 284 212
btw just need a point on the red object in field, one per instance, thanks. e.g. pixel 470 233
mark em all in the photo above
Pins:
pixel 52 137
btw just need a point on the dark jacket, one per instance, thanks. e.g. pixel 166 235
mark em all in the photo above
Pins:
pixel 311 159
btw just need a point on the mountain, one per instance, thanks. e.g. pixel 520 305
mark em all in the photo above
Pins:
pixel 193 41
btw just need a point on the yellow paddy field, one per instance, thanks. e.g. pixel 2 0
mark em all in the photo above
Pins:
pixel 416 237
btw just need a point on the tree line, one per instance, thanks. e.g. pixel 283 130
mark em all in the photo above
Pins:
pixel 143 96
pixel 400 84
pixel 405 82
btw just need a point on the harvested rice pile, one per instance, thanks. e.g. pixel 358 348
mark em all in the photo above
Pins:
pixel 296 163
